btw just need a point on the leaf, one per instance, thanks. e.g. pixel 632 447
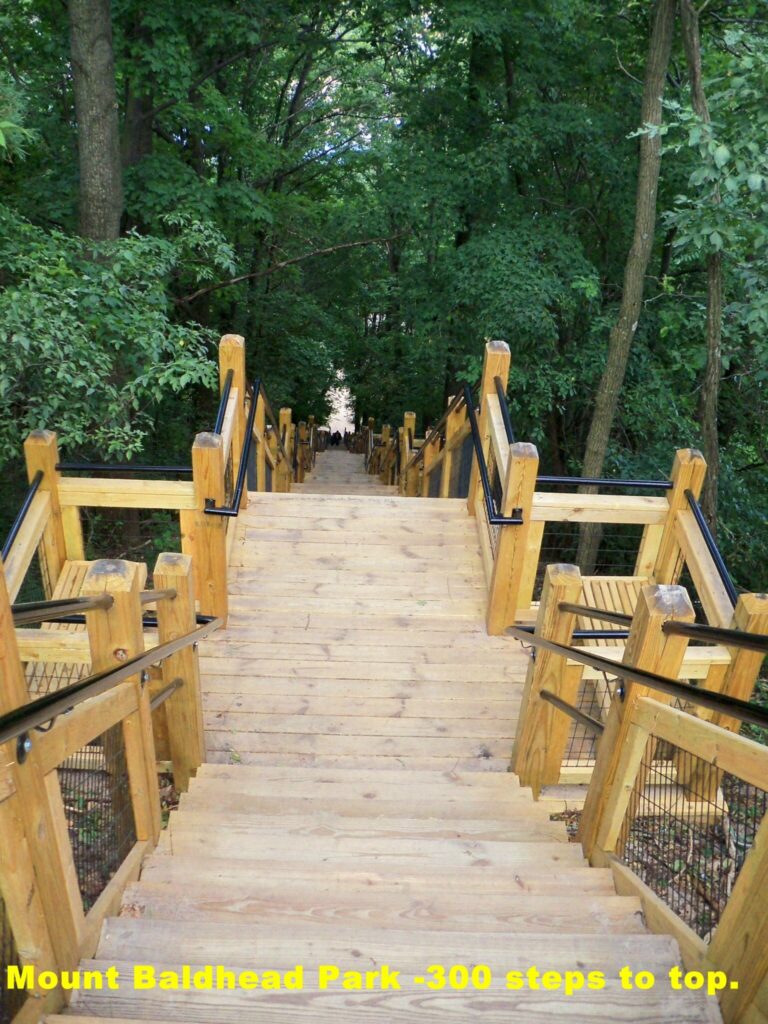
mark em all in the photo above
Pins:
pixel 722 155
pixel 755 182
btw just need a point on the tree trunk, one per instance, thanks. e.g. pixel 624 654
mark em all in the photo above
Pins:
pixel 710 387
pixel 620 341
pixel 98 138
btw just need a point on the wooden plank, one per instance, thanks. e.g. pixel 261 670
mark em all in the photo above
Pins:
pixel 24 548
pixel 709 587
pixel 73 532
pixel 230 425
pixel 95 492
pixel 648 552
pixel 205 536
pixel 108 903
pixel 751 615
pixel 738 755
pixel 268 722
pixel 51 645
pixel 598 508
pixel 84 723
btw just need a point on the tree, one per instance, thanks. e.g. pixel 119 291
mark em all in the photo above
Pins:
pixel 98 138
pixel 620 340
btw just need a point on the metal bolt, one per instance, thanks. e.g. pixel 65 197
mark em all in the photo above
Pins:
pixel 195 645
pixel 144 676
pixel 23 747
pixel 121 654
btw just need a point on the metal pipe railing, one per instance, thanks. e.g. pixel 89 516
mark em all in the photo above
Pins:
pixel 32 612
pixel 712 547
pixel 620 618
pixel 233 510
pixel 576 714
pixel 18 522
pixel 719 635
pixel 223 402
pixel 124 468
pixel 589 481
pixel 167 691
pixel 501 392
pixel 38 712
pixel 494 518
pixel 590 634
pixel 148 621
pixel 720 702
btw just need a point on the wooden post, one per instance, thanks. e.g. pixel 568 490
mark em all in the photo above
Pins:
pixel 512 546
pixel 116 634
pixel 688 472
pixel 232 357
pixel 386 436
pixel 285 471
pixel 42 453
pixel 184 708
pixel 495 364
pixel 260 424
pixel 740 943
pixel 648 648
pixel 205 536
pixel 750 615
pixel 453 427
pixel 40 816
pixel 431 451
pixel 542 730
pixel 406 451
pixel 301 440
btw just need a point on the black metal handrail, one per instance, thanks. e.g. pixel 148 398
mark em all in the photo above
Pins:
pixel 18 522
pixel 223 402
pixel 589 481
pixel 720 702
pixel 719 635
pixel 590 634
pixel 233 510
pixel 22 720
pixel 124 468
pixel 576 714
pixel 147 621
pixel 436 431
pixel 620 618
pixel 47 611
pixel 502 394
pixel 494 519
pixel 709 540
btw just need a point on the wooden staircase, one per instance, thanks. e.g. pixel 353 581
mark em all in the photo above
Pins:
pixel 356 810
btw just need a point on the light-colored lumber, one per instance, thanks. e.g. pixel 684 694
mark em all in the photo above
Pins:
pixel 24 547
pixel 41 453
pixel 96 492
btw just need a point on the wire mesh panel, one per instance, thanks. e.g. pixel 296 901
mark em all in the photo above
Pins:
pixel 97 801
pixel 11 1000
pixel 687 831
pixel 616 555
pixel 461 467
pixel 594 699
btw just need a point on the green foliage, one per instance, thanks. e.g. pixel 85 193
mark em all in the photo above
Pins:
pixel 91 347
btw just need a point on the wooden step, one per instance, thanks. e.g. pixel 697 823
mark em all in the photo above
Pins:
pixel 542 879
pixel 229 755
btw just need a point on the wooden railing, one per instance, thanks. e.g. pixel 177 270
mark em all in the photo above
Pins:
pixel 53 525
pixel 67 851
pixel 671 541
pixel 658 809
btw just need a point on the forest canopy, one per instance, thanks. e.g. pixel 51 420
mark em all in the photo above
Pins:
pixel 375 189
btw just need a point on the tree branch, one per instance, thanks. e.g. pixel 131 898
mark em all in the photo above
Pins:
pixel 282 264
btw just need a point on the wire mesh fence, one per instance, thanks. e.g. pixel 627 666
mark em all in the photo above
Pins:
pixel 97 801
pixel 687 831
pixel 594 699
pixel 11 1000
pixel 616 555
pixel 435 481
